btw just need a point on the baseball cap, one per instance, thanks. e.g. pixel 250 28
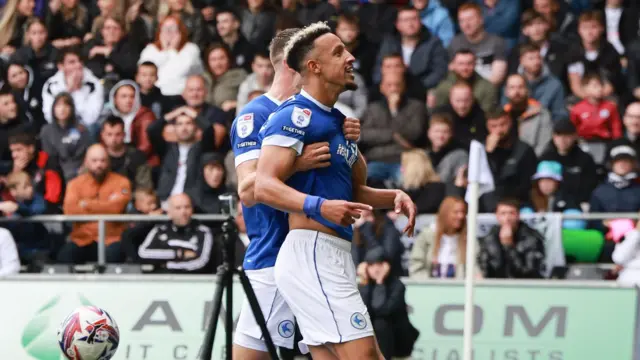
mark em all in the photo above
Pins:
pixel 548 170
pixel 622 152
pixel 564 127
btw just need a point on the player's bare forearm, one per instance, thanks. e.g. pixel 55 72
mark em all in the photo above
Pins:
pixel 376 198
pixel 276 164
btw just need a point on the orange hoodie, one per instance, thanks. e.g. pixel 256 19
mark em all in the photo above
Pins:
pixel 85 196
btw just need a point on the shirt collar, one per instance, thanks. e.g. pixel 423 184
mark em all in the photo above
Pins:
pixel 274 100
pixel 320 105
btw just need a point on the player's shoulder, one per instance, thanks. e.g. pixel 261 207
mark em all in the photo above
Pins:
pixel 293 112
pixel 253 116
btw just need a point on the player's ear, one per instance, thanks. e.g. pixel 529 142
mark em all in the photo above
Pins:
pixel 313 66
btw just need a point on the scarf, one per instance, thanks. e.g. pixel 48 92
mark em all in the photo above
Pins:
pixel 621 182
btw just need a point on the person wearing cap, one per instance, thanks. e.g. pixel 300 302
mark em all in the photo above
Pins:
pixel 547 194
pixel 211 185
pixel 620 192
pixel 383 294
pixel 579 171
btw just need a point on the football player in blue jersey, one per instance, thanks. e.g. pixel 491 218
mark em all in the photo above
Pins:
pixel 267 227
pixel 314 270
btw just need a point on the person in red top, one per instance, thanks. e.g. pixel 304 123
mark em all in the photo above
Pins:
pixel 594 117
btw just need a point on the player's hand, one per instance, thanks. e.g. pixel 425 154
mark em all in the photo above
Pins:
pixel 404 205
pixel 342 212
pixel 314 156
pixel 351 129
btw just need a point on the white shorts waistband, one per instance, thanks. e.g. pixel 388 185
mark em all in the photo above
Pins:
pixel 337 242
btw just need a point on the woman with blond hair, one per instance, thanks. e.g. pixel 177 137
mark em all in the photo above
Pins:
pixel 421 182
pixel 68 22
pixel 440 251
pixel 15 14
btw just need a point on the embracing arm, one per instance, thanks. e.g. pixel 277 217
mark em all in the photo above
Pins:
pixel 275 165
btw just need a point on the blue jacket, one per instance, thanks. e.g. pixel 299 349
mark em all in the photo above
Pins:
pixel 436 18
pixel 607 198
pixel 502 20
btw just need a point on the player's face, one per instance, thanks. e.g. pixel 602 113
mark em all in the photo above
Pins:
pixel 336 62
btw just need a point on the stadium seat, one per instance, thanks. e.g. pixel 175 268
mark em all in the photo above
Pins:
pixel 56 269
pixel 584 246
pixel 123 269
pixel 585 272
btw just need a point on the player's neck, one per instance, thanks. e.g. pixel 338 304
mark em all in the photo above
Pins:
pixel 325 95
pixel 281 88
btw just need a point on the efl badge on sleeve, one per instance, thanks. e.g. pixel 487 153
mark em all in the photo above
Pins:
pixel 244 126
pixel 301 117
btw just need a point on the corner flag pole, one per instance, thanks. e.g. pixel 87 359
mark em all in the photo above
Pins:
pixel 476 152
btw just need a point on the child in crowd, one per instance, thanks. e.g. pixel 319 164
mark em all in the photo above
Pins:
pixel 594 117
pixel 145 201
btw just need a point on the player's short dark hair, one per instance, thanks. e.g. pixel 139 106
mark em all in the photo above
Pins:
pixel 276 47
pixel 113 120
pixel 70 50
pixel 591 76
pixel 528 47
pixel 25 138
pixel 509 201
pixel 301 43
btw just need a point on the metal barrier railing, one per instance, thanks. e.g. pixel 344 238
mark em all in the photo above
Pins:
pixel 102 219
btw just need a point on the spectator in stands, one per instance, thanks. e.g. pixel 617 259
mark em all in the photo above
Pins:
pixel 383 294
pixel 180 160
pixel 378 231
pixel 512 249
pixel 260 78
pixel 174 56
pixel 502 18
pixel 197 31
pixel 43 170
pixel 223 78
pixel 64 138
pixel 85 89
pixel 440 250
pixel 393 64
pixel 32 238
pixel 355 100
pixel 422 52
pixel 462 68
pixel 9 260
pixel 537 31
pixel 446 153
pixel 125 159
pixel 468 117
pixel 390 127
pixel 206 115
pixel 631 120
pixel 621 191
pixel 436 18
pixel 182 244
pixel 12 121
pixel 112 56
pixel 534 121
pixel 211 185
pixel 68 23
pixel 579 172
pixel 377 18
pixel 547 194
pixel 150 95
pixel 593 54
pixel 228 28
pixel 124 103
pixel 621 23
pixel 27 94
pixel 348 30
pixel 511 160
pixel 421 182
pixel 258 23
pixel 557 14
pixel 490 49
pixel 310 11
pixel 627 255
pixel 12 24
pixel 145 202
pixel 99 191
pixel 37 52
pixel 543 86
pixel 596 118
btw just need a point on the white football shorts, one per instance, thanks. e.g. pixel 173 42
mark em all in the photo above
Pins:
pixel 279 318
pixel 316 276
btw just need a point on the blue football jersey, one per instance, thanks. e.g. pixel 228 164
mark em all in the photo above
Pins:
pixel 303 120
pixel 266 227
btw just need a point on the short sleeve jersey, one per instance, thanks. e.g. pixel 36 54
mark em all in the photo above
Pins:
pixel 266 227
pixel 303 120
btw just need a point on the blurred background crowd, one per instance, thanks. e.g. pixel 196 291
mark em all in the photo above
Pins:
pixel 124 107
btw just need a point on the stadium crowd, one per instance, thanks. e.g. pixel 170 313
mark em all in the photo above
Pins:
pixel 120 107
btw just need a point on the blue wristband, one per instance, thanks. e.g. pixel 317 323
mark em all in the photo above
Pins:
pixel 312 205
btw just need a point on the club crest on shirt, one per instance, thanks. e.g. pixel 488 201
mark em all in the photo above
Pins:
pixel 301 117
pixel 244 126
